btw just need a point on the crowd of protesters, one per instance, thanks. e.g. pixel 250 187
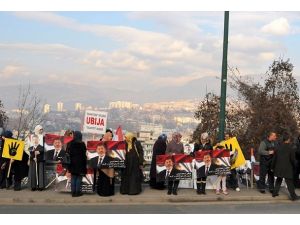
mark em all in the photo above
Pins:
pixel 278 158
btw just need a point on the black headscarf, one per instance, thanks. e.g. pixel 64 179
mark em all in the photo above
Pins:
pixel 77 136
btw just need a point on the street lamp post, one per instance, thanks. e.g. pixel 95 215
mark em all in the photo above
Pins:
pixel 224 79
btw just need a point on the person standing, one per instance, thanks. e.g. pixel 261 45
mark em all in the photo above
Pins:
pixel 159 148
pixel 108 136
pixel 175 147
pixel 232 182
pixel 266 151
pixel 203 145
pixel 78 163
pixel 283 165
pixel 132 175
pixel 36 165
pixel 297 169
pixel 4 163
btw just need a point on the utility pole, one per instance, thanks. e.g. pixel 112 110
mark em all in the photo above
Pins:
pixel 224 79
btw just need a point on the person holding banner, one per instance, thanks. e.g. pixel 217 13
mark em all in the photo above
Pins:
pixel 15 167
pixel 100 164
pixel 78 163
pixel 108 136
pixel 159 148
pixel 232 182
pixel 204 143
pixel 4 163
pixel 36 165
pixel 132 175
pixel 175 146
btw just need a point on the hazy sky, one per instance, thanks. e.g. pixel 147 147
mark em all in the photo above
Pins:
pixel 140 50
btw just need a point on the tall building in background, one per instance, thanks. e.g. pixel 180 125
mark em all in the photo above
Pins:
pixel 60 106
pixel 78 106
pixel 46 108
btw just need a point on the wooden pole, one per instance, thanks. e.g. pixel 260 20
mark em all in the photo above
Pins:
pixel 9 167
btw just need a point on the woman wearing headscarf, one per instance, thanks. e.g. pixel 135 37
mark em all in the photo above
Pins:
pixel 132 175
pixel 175 146
pixel 159 148
pixel 19 169
pixel 204 143
pixel 78 162
pixel 36 165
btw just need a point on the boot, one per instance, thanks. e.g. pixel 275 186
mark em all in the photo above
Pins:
pixel 170 185
pixel 199 188
pixel 203 185
pixel 176 183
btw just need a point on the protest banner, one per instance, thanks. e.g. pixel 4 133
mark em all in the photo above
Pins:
pixel 94 122
pixel 173 167
pixel 13 149
pixel 56 171
pixel 237 156
pixel 216 162
pixel 115 150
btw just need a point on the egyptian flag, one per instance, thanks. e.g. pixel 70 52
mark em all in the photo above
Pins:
pixel 119 134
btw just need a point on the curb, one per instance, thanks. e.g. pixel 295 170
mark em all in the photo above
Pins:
pixel 141 200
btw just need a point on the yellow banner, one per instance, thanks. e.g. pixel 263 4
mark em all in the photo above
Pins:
pixel 13 149
pixel 238 158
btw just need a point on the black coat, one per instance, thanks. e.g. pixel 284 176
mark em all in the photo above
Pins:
pixel 284 161
pixel 206 146
pixel 103 185
pixel 77 151
pixel 132 175
pixel 40 157
pixel 159 148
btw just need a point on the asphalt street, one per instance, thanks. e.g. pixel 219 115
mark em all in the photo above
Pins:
pixel 224 208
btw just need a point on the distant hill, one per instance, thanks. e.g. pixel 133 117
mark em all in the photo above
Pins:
pixel 100 96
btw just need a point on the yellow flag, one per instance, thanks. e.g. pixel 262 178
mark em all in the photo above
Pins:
pixel 13 149
pixel 238 155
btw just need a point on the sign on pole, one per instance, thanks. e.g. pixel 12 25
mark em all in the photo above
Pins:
pixel 13 149
pixel 94 122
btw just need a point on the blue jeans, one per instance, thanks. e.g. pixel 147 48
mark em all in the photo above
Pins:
pixel 75 183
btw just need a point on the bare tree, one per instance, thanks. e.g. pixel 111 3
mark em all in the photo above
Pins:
pixel 29 113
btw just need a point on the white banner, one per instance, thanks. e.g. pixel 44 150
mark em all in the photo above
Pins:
pixel 94 122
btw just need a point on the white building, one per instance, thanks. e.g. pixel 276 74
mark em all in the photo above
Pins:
pixel 123 105
pixel 154 129
pixel 78 106
pixel 60 106
pixel 46 108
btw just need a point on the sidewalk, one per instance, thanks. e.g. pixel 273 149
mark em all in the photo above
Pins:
pixel 148 196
